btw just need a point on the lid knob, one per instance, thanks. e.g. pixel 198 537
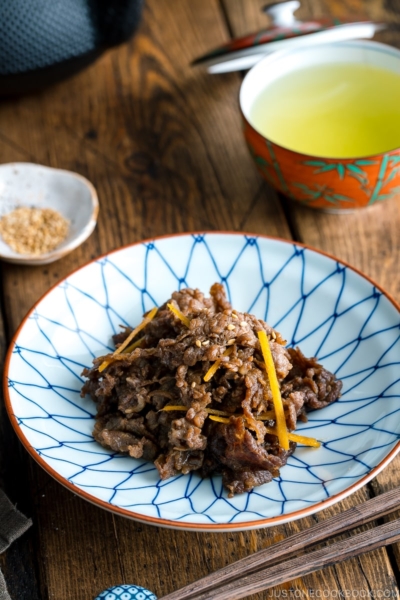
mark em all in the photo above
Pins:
pixel 281 13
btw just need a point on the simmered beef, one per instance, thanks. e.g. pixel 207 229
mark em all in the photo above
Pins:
pixel 154 401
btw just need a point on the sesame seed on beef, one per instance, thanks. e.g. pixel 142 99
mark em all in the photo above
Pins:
pixel 154 403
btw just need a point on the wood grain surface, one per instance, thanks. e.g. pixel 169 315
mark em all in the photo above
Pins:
pixel 162 144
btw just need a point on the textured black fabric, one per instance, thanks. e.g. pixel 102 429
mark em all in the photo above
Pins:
pixel 12 522
pixel 4 595
pixel 35 34
pixel 12 525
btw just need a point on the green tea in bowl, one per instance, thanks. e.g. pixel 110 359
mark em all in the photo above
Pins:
pixel 323 123
pixel 334 110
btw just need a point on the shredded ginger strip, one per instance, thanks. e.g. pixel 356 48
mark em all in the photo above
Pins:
pixel 186 321
pixel 300 439
pixel 219 419
pixel 269 415
pixel 223 417
pixel 282 431
pixel 130 337
pixel 214 368
pixel 210 411
pixel 181 316
pixel 134 345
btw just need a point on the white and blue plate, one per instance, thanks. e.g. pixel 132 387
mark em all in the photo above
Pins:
pixel 317 302
pixel 126 592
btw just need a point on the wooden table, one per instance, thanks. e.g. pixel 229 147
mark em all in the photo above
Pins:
pixel 163 145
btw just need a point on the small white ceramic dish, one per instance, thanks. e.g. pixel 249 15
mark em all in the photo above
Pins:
pixel 317 302
pixel 73 196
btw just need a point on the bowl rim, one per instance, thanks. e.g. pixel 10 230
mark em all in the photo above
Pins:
pixel 80 237
pixel 170 523
pixel 281 54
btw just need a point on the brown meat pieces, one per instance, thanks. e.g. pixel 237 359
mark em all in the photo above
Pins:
pixel 318 386
pixel 153 403
pixel 122 435
pixel 243 462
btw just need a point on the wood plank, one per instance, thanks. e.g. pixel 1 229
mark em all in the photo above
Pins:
pixel 163 146
pixel 18 563
pixel 209 552
pixel 164 149
pixel 170 135
pixel 366 239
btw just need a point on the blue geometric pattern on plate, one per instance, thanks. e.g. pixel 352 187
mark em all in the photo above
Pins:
pixel 126 592
pixel 316 302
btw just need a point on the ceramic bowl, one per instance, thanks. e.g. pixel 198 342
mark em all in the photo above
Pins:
pixel 322 305
pixel 330 184
pixel 73 196
pixel 126 592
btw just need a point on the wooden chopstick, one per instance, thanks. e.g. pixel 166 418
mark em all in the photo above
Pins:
pixel 347 520
pixel 369 540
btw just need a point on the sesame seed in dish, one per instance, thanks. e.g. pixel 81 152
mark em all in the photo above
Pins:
pixel 33 231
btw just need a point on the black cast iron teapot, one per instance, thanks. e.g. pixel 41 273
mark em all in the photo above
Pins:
pixel 44 41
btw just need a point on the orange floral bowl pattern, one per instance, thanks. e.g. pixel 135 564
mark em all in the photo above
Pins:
pixel 329 184
pixel 321 183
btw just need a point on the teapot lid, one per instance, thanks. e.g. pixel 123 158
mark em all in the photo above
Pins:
pixel 285 33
